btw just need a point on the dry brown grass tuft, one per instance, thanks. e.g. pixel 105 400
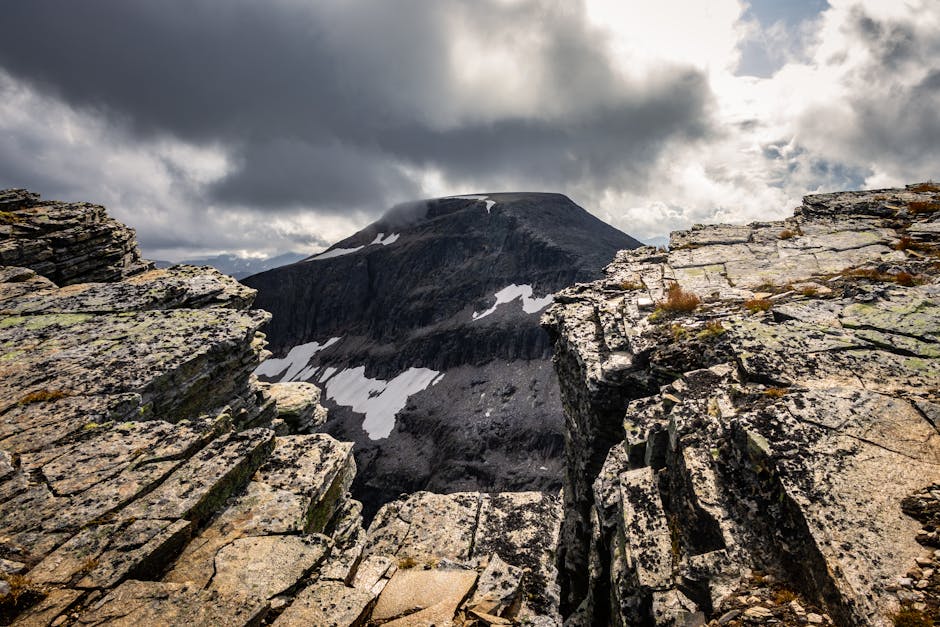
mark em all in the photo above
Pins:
pixel 909 617
pixel 679 301
pixel 42 396
pixel 758 304
pixel 906 279
pixel 928 186
pixel 923 206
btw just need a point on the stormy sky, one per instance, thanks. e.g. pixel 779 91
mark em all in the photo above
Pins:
pixel 259 127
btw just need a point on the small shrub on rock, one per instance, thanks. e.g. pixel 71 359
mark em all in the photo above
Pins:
pixel 758 304
pixel 679 301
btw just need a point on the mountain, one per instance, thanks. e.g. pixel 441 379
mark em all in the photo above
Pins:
pixel 239 267
pixel 423 330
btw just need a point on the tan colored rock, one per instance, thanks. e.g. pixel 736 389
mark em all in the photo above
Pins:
pixel 374 572
pixel 266 566
pixel 103 556
pixel 50 609
pixel 298 404
pixel 498 590
pixel 202 484
pixel 136 603
pixel 438 592
pixel 327 604
pixel 296 491
pixel 426 527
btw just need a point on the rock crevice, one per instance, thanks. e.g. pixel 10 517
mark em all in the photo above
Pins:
pixel 746 416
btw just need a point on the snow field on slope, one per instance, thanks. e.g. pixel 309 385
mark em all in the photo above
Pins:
pixel 510 293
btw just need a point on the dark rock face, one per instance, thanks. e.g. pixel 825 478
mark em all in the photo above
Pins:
pixel 436 310
pixel 65 242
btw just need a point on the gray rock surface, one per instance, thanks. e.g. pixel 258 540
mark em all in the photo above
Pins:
pixel 136 444
pixel 148 478
pixel 755 447
pixel 65 242
pixel 513 534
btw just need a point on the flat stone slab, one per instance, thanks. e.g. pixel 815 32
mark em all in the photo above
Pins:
pixel 426 527
pixel 136 603
pixel 467 528
pixel 177 287
pixel 411 590
pixel 199 487
pixel 266 566
pixel 103 556
pixel 327 603
pixel 296 491
pixel 649 546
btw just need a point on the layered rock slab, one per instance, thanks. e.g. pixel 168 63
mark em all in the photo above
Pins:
pixel 129 416
pixel 66 242
pixel 492 536
pixel 808 487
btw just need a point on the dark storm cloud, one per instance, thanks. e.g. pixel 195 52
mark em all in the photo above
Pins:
pixel 322 104
pixel 892 43
pixel 896 111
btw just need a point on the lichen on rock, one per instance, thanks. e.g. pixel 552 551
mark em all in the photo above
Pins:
pixel 711 472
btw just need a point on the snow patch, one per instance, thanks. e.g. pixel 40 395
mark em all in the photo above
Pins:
pixel 380 239
pixel 293 367
pixel 379 400
pixel 510 293
pixel 486 199
pixel 391 238
pixel 336 252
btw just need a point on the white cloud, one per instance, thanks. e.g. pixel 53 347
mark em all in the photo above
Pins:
pixel 850 97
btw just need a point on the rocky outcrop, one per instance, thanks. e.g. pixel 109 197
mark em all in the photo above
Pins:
pixel 499 547
pixel 65 242
pixel 423 331
pixel 752 427
pixel 147 477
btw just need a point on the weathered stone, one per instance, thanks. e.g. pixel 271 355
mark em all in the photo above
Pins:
pixel 426 527
pixel 798 455
pixel 498 590
pixel 67 242
pixel 135 603
pixel 374 572
pixel 265 566
pixel 103 556
pixel 202 484
pixel 328 603
pixel 50 609
pixel 298 404
pixel 412 590
pixel 297 490
pixel 466 528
